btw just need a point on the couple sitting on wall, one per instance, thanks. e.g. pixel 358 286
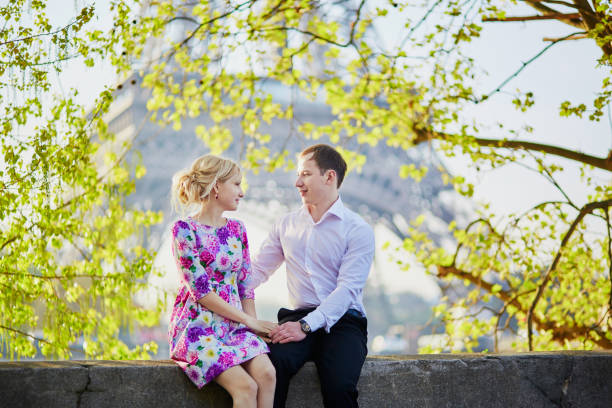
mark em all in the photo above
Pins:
pixel 214 332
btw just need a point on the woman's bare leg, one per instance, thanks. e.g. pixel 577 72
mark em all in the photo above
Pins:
pixel 262 371
pixel 240 386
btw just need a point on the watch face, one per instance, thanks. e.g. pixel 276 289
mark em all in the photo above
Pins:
pixel 305 326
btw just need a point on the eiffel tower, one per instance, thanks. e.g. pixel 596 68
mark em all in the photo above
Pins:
pixel 377 192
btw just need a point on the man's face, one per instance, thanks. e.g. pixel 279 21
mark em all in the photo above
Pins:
pixel 311 184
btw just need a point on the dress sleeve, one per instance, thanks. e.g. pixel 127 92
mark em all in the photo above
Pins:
pixel 191 271
pixel 245 273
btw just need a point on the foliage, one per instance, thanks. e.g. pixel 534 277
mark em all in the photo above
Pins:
pixel 70 259
pixel 542 274
pixel 542 270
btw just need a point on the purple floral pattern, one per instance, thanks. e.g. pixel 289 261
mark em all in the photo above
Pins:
pixel 203 343
pixel 223 234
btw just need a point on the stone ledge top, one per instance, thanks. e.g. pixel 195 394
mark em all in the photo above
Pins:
pixel 371 359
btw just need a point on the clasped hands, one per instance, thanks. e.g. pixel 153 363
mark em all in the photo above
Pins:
pixel 277 333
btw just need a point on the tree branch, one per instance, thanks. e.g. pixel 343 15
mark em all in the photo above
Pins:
pixel 414 27
pixel 39 35
pixel 592 21
pixel 524 64
pixel 39 339
pixel 25 334
pixel 586 209
pixel 8 241
pixel 559 333
pixel 537 207
pixel 601 163
pixel 552 16
pixel 357 17
pixel 574 37
pixel 559 2
pixel 311 34
pixel 206 23
pixel 501 313
pixel 536 4
pixel 467 229
pixel 56 277
pixel 551 179
pixel 50 62
pixel 274 10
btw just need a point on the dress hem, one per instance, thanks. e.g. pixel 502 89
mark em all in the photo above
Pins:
pixel 228 367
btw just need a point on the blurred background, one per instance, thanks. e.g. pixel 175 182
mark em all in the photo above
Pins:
pixel 399 302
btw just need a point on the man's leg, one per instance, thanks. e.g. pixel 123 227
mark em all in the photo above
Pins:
pixel 339 357
pixel 288 358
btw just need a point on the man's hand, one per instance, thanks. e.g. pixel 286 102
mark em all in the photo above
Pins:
pixel 287 332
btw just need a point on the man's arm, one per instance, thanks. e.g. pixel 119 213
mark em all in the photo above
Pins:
pixel 352 277
pixel 267 260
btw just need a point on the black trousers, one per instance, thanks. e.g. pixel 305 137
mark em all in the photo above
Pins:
pixel 338 356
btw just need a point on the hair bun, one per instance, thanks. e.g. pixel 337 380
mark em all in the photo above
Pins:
pixel 193 186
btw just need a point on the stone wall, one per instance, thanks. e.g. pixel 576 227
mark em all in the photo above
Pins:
pixel 560 379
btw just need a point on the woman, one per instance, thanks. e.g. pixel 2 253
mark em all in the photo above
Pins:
pixel 213 330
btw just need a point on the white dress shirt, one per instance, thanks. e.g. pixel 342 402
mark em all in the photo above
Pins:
pixel 327 262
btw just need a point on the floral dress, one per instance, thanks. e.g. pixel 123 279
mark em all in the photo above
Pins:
pixel 203 343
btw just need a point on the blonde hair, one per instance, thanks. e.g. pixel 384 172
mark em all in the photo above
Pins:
pixel 194 185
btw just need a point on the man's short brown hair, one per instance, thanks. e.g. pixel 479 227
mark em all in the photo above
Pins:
pixel 327 158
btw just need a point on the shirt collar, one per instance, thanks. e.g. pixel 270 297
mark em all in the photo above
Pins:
pixel 336 209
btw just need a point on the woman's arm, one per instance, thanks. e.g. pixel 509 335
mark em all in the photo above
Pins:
pixel 248 305
pixel 216 304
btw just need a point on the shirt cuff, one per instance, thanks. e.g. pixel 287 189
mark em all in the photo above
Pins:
pixel 315 320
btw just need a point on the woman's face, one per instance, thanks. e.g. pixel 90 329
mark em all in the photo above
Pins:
pixel 230 192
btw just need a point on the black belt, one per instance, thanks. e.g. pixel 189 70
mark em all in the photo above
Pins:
pixel 354 313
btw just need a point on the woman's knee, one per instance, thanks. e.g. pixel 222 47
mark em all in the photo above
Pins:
pixel 244 389
pixel 266 375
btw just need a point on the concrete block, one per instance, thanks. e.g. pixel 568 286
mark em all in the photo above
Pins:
pixel 556 379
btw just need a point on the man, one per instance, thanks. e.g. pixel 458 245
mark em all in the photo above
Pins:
pixel 328 251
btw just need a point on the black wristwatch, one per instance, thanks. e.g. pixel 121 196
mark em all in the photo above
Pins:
pixel 305 326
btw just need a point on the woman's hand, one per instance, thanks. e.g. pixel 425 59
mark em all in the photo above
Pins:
pixel 260 327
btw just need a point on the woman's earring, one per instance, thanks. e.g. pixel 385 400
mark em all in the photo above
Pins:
pixel 216 196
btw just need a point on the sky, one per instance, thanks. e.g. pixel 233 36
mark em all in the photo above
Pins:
pixel 566 71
